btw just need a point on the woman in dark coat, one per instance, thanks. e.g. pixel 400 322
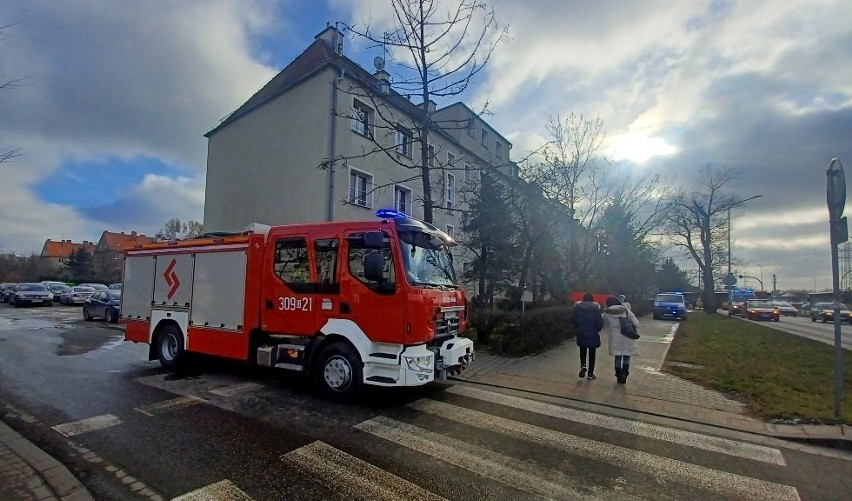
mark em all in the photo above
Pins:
pixel 588 320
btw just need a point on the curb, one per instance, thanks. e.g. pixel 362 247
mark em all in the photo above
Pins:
pixel 54 473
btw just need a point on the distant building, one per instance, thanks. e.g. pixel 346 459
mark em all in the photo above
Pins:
pixel 54 253
pixel 109 251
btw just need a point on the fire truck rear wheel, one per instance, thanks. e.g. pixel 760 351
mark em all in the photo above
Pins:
pixel 170 347
pixel 338 372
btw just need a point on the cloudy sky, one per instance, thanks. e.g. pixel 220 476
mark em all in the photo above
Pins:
pixel 114 98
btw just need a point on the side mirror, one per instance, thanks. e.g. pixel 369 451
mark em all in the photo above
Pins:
pixel 374 265
pixel 374 239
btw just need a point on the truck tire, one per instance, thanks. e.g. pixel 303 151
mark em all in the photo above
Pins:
pixel 338 372
pixel 170 349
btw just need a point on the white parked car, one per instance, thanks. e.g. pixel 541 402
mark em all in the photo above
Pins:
pixel 76 295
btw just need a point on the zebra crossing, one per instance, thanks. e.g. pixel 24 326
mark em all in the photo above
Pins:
pixel 532 455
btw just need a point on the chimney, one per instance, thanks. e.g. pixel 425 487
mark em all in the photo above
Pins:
pixel 132 233
pixel 381 75
pixel 431 106
pixel 332 36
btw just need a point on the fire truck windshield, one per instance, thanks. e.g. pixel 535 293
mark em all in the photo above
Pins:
pixel 427 260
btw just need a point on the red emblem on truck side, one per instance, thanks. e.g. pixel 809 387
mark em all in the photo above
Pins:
pixel 171 278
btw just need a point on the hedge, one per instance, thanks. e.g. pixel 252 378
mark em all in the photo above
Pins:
pixel 518 334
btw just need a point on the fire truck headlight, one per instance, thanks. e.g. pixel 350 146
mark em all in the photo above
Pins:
pixel 419 364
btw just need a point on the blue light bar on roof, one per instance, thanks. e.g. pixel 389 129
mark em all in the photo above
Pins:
pixel 390 213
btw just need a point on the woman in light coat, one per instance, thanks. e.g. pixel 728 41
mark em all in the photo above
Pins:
pixel 620 346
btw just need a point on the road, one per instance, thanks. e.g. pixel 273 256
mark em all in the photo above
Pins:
pixel 130 430
pixel 818 331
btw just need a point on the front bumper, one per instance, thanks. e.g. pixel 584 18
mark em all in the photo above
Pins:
pixel 661 311
pixel 33 300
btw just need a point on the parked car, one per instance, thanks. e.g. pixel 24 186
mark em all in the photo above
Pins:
pixel 786 308
pixel 6 291
pixel 97 287
pixel 115 286
pixel 670 304
pixel 104 304
pixel 31 294
pixel 760 309
pixel 76 295
pixel 56 288
pixel 825 313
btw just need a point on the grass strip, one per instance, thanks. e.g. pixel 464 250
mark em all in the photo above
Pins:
pixel 776 374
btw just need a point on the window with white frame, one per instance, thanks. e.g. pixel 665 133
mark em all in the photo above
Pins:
pixel 360 188
pixel 431 156
pixel 362 117
pixel 471 127
pixel 451 191
pixel 404 140
pixel 451 160
pixel 499 150
pixel 402 199
pixel 467 172
pixel 484 138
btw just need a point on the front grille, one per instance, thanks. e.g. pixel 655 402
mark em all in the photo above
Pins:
pixel 447 326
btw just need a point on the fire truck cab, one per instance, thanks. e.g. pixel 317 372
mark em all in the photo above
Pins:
pixel 349 303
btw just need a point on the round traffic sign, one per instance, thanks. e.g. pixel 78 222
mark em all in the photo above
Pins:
pixel 729 280
pixel 835 189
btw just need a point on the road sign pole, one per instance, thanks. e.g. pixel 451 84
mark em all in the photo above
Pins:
pixel 836 201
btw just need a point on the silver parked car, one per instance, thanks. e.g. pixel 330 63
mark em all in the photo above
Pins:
pixel 31 294
pixel 76 295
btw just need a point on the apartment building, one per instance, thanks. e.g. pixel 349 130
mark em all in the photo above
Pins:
pixel 327 140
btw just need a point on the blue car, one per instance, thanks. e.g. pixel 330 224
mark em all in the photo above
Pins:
pixel 669 305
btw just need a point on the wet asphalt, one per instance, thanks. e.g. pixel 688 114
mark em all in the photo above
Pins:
pixel 235 423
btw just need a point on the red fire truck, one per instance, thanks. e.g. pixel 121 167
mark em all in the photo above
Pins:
pixel 348 303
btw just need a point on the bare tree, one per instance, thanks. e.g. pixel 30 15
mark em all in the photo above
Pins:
pixel 8 153
pixel 437 52
pixel 698 223
pixel 175 229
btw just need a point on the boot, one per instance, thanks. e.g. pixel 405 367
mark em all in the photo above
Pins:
pixel 620 376
pixel 582 371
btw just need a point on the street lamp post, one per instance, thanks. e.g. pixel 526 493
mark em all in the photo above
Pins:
pixel 749 276
pixel 761 277
pixel 730 280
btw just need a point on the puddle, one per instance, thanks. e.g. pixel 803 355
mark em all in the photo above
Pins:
pixel 82 341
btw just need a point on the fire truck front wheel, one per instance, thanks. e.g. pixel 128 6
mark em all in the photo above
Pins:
pixel 170 347
pixel 338 372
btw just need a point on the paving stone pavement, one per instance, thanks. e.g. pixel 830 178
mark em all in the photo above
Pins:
pixel 28 473
pixel 648 390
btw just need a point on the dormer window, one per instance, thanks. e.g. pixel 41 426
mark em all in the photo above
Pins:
pixel 471 127
pixel 499 150
pixel 485 138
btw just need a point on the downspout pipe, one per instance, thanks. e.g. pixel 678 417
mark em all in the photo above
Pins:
pixel 332 149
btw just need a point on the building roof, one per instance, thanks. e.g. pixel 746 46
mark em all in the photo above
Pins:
pixel 64 248
pixel 117 242
pixel 318 56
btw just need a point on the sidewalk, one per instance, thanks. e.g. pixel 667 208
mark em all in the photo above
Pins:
pixel 28 473
pixel 648 391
